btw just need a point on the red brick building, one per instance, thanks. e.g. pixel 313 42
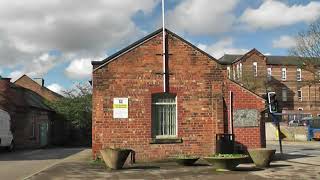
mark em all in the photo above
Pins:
pixel 130 109
pixel 31 118
pixel 297 89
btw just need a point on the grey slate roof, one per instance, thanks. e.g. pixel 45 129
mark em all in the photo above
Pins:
pixel 272 60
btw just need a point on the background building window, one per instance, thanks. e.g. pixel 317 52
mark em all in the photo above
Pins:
pixel 164 115
pixel 228 72
pixel 240 70
pixel 284 94
pixel 299 75
pixel 269 73
pixel 300 109
pixel 255 69
pixel 300 95
pixel 283 74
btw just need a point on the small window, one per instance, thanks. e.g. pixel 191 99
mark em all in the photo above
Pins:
pixel 300 95
pixel 228 72
pixel 269 73
pixel 240 70
pixel 284 74
pixel 284 94
pixel 255 69
pixel 300 109
pixel 234 73
pixel 299 75
pixel 164 115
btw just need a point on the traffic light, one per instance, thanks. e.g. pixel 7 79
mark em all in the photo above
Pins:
pixel 273 103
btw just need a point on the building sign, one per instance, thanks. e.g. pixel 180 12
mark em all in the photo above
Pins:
pixel 246 118
pixel 120 108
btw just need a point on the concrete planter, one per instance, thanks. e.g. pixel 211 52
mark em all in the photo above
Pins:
pixel 115 158
pixel 261 156
pixel 225 163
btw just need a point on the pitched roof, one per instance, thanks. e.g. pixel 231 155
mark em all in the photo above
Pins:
pixel 228 59
pixel 22 97
pixel 43 87
pixel 143 40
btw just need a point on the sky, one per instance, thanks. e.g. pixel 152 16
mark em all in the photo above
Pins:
pixel 58 39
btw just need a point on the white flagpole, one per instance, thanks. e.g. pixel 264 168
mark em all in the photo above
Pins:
pixel 164 50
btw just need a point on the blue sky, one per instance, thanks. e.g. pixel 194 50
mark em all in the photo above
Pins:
pixel 57 39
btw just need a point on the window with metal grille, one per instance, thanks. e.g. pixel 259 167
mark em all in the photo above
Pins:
pixel 164 115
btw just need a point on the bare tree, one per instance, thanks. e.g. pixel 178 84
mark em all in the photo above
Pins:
pixel 307 50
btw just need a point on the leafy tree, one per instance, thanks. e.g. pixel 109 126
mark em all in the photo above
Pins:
pixel 76 108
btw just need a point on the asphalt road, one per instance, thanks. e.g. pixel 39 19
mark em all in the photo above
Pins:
pixel 298 148
pixel 21 164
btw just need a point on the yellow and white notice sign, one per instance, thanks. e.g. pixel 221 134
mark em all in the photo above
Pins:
pixel 120 108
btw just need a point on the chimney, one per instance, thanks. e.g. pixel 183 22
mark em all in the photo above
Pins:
pixel 40 81
pixel 4 84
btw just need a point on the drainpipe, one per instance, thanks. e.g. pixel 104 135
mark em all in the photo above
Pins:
pixel 230 112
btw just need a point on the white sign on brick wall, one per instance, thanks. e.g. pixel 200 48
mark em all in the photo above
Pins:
pixel 120 108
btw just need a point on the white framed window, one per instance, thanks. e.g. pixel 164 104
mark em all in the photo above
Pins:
pixel 240 72
pixel 164 115
pixel 228 72
pixel 284 94
pixel 299 74
pixel 255 69
pixel 269 73
pixel 283 74
pixel 234 73
pixel 299 92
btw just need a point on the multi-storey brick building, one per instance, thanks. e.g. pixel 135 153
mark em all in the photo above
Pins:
pixel 298 92
pixel 132 108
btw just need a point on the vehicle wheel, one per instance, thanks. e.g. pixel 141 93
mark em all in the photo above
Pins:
pixel 11 147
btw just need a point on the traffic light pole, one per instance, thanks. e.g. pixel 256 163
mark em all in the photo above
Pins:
pixel 275 119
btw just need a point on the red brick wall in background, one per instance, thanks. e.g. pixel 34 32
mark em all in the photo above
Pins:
pixel 250 137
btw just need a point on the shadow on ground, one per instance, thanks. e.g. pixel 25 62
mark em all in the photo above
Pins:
pixel 38 154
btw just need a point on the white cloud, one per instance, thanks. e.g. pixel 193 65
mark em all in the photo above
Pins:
pixel 202 16
pixel 284 42
pixel 223 46
pixel 272 13
pixel 14 75
pixel 56 88
pixel 28 30
pixel 79 68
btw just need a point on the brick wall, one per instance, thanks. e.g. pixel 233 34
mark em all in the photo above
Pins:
pixel 249 137
pixel 197 81
pixel 135 75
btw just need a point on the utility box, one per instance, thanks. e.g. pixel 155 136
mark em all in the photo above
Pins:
pixel 225 143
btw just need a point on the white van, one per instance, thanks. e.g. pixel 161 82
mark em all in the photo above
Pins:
pixel 6 137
